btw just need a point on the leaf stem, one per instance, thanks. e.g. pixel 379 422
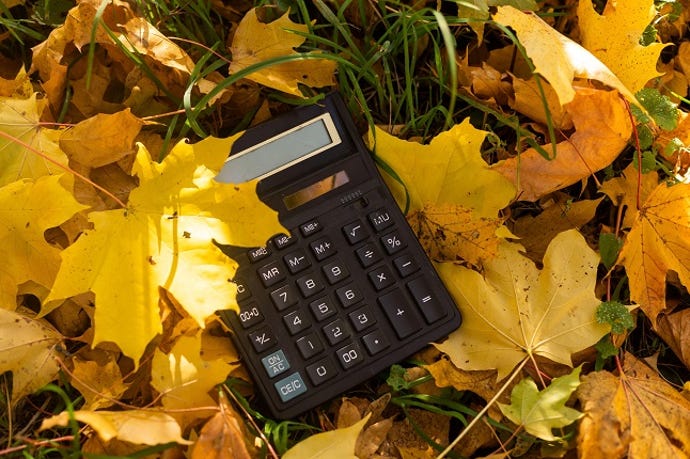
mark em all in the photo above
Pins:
pixel 484 410
pixel 63 167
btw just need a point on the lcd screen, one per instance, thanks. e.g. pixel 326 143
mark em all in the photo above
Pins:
pixel 283 150
pixel 315 190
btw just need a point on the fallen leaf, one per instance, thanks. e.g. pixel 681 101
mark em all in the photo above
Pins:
pixel 100 382
pixel 184 379
pixel 635 414
pixel 325 445
pixel 481 382
pixel 142 427
pixel 27 209
pixel 624 191
pixel 450 232
pixel 164 237
pixel 20 118
pixel 528 101
pixel 674 329
pixel 658 242
pixel 540 412
pixel 28 350
pixel 19 88
pixel 101 139
pixel 602 129
pixel 224 436
pixel 556 57
pixel 255 42
pixel 515 311
pixel 614 38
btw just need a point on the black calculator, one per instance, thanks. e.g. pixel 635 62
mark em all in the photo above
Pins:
pixel 349 291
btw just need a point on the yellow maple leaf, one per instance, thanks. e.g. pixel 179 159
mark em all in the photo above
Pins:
pixel 27 209
pixel 634 414
pixel 142 427
pixel 514 311
pixel 99 380
pixel 602 129
pixel 28 350
pixel 185 379
pixel 614 38
pixel 556 57
pixel 338 443
pixel 164 239
pixel 19 119
pixel 255 41
pixel 659 241
pixel 624 190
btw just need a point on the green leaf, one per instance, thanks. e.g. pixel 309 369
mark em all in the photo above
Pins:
pixel 615 314
pixel 338 443
pixel 660 108
pixel 539 412
pixel 609 247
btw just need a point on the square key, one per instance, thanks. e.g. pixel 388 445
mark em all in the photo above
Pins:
pixel 284 297
pixel 355 232
pixel 335 271
pixel 309 285
pixel 275 363
pixel 290 387
pixel 309 345
pixel 322 308
pixel 262 339
pixel 368 255
pixel 349 356
pixel 375 342
pixel 321 371
pixel 296 321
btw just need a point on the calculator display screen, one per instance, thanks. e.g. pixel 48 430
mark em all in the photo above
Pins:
pixel 281 151
pixel 315 190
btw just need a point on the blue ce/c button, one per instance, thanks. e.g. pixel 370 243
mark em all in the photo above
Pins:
pixel 290 387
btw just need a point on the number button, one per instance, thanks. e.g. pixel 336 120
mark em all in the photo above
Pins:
pixel 296 261
pixel 362 318
pixel 321 371
pixel 249 315
pixel 336 331
pixel 348 295
pixel 381 277
pixel 309 285
pixel 322 248
pixel 271 274
pixel 380 219
pixel 309 345
pixel 335 272
pixel 262 339
pixel 284 297
pixel 296 322
pixel 322 308
pixel 349 356
pixel 355 232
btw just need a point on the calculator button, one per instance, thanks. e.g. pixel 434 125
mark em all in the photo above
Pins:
pixel 381 277
pixel 249 315
pixel 271 274
pixel 362 318
pixel 368 255
pixel 348 295
pixel 405 265
pixel 322 248
pixel 335 272
pixel 321 371
pixel 336 331
pixel 296 261
pixel 355 232
pixel 322 308
pixel 262 339
pixel 275 363
pixel 290 387
pixel 380 219
pixel 309 285
pixel 401 313
pixel 349 355
pixel 284 297
pixel 296 321
pixel 243 291
pixel 309 345
pixel 425 298
pixel 258 253
pixel 282 240
pixel 310 227
pixel 375 342
pixel 392 243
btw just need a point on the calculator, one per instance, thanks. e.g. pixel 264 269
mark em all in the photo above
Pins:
pixel 349 291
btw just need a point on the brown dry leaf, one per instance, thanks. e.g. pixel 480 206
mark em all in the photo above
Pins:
pixel 624 190
pixel 634 415
pixel 528 101
pixel 602 128
pixel 559 215
pixel 481 382
pixel 674 329
pixel 224 436
pixel 615 37
pixel 680 158
pixel 99 381
pixel 449 232
pixel 101 139
pixel 658 242
pixel 372 437
pixel 255 41
pixel 404 436
pixel 20 87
